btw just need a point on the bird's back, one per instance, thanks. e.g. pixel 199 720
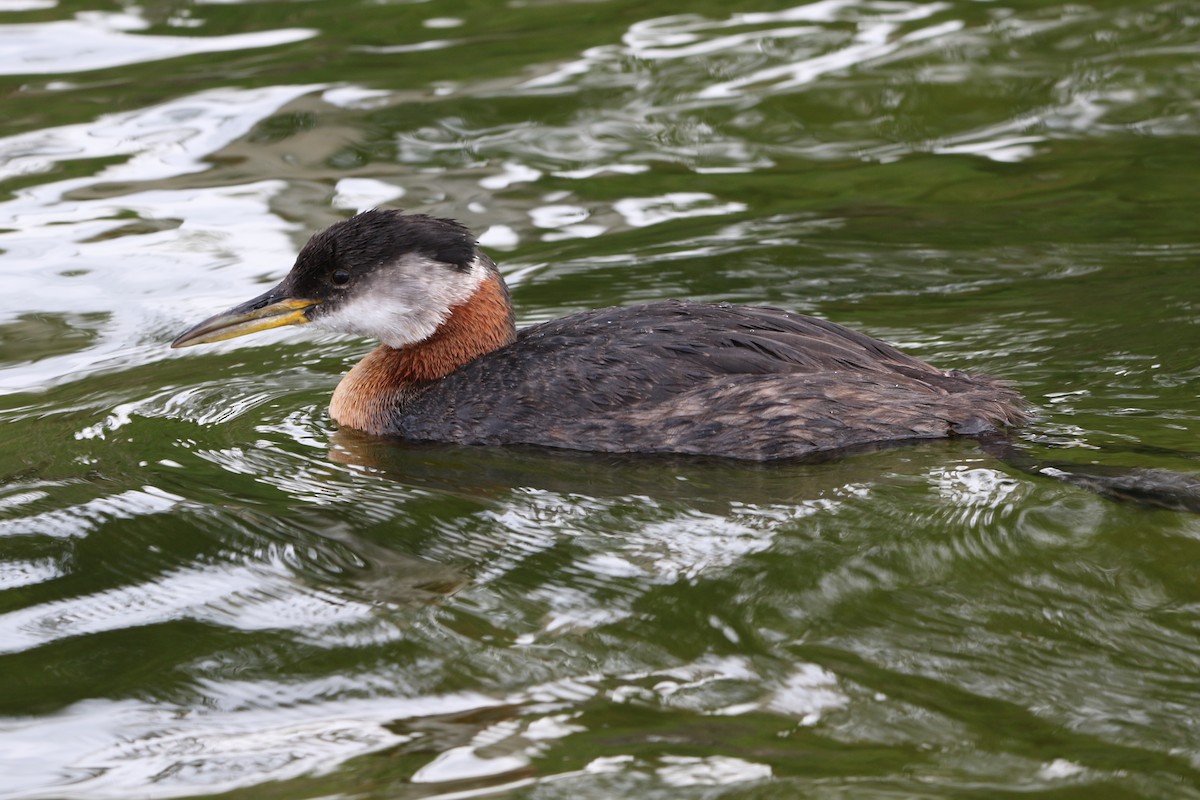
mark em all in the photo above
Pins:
pixel 735 381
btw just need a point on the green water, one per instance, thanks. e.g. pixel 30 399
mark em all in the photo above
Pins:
pixel 207 590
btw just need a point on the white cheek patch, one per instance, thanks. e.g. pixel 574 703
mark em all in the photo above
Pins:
pixel 406 301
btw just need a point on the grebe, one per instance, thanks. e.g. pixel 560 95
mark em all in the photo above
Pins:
pixel 725 380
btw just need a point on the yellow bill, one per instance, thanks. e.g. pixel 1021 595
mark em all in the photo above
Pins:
pixel 271 310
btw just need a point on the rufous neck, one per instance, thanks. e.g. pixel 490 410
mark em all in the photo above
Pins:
pixel 370 394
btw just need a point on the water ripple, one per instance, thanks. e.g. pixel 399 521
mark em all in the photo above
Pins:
pixel 204 589
pixel 96 40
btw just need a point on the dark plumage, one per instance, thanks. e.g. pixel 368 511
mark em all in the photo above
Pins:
pixel 675 377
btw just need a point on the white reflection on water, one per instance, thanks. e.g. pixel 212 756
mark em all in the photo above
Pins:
pixel 60 261
pixel 262 596
pixel 640 212
pixel 102 40
pixel 69 255
pixel 82 519
pixel 27 5
pixel 710 771
pixel 359 194
pixel 245 733
pixel 120 748
pixel 877 37
pixel 162 141
pixel 26 573
pixel 671 38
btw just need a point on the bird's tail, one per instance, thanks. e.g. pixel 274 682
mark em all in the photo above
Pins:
pixel 1157 488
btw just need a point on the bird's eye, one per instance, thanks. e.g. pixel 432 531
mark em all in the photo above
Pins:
pixel 340 277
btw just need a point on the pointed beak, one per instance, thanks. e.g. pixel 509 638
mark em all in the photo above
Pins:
pixel 274 309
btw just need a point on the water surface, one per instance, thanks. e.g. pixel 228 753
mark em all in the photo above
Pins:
pixel 206 589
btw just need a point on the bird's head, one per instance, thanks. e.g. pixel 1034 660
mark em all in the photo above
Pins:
pixel 381 274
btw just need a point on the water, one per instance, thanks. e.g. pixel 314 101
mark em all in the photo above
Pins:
pixel 206 589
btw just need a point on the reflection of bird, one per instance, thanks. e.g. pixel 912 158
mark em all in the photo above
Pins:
pixel 666 377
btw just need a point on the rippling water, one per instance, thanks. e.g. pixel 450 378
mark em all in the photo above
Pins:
pixel 205 589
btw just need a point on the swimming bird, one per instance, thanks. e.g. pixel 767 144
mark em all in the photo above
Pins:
pixel 746 382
